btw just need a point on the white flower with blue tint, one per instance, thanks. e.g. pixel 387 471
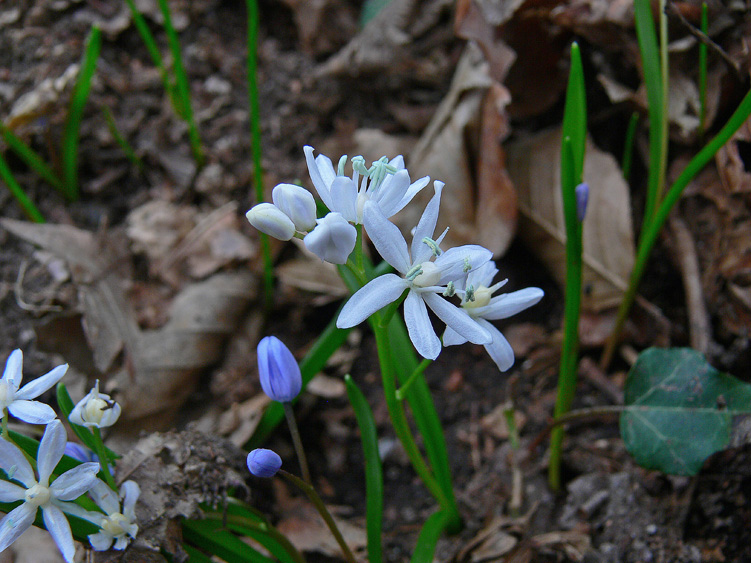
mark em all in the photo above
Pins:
pixel 117 525
pixel 386 183
pixel 264 463
pixel 278 370
pixel 269 219
pixel 298 204
pixel 479 305
pixel 53 498
pixel 95 410
pixel 333 239
pixel 17 399
pixel 424 277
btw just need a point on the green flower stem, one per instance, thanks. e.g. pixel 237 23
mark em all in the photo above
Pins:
pixel 401 393
pixel 398 416
pixel 649 236
pixel 31 210
pixel 389 312
pixel 5 425
pixel 103 459
pixel 311 493
pixel 302 459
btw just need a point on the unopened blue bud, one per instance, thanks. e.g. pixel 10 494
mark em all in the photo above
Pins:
pixel 582 196
pixel 79 452
pixel 264 463
pixel 278 370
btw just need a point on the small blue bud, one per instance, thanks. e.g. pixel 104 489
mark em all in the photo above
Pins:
pixel 582 196
pixel 278 370
pixel 264 463
pixel 79 452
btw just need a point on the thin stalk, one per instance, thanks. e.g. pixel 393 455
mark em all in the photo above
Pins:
pixel 649 236
pixel 103 459
pixel 311 493
pixel 703 70
pixel 664 82
pixel 256 150
pixel 130 154
pixel 5 434
pixel 28 207
pixel 401 393
pixel 31 158
pixel 302 459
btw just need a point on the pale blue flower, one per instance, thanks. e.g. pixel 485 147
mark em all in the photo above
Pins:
pixel 424 277
pixel 264 463
pixel 95 410
pixel 278 370
pixel 53 498
pixel 18 401
pixel 118 525
pixel 333 239
pixel 582 197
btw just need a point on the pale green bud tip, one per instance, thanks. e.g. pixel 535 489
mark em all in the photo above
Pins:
pixel 264 463
pixel 269 219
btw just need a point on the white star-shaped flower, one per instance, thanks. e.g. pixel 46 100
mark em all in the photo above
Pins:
pixel 18 401
pixel 424 277
pixel 53 498
pixel 479 305
pixel 118 525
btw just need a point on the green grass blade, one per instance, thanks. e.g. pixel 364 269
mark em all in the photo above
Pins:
pixel 130 154
pixel 181 84
pixel 212 537
pixel 628 146
pixel 31 158
pixel 426 542
pixel 373 469
pixel 703 70
pixel 28 207
pixel 195 556
pixel 575 116
pixel 650 55
pixel 80 96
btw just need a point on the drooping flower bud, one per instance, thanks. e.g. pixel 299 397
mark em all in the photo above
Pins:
pixel 297 203
pixel 264 463
pixel 582 196
pixel 269 219
pixel 95 409
pixel 333 239
pixel 280 375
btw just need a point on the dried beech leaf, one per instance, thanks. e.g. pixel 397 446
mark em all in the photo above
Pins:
pixel 461 147
pixel 534 165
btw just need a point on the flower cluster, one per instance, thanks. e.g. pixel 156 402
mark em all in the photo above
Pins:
pixel 46 488
pixel 429 276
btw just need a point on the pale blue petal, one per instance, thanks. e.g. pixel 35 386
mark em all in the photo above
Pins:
pixel 51 450
pixel 426 226
pixel 391 192
pixel 104 497
pixel 14 463
pixel 32 412
pixel 386 237
pixel 454 262
pixel 75 482
pixel 10 492
pixel 482 276
pixel 413 190
pixel 58 527
pixel 13 373
pixel 370 298
pixel 420 329
pixel 397 162
pixel 130 491
pixel 15 523
pixel 452 338
pixel 101 541
pixel 35 388
pixel 326 168
pixel 457 319
pixel 321 186
pixel 333 239
pixel 499 349
pixel 344 198
pixel 509 304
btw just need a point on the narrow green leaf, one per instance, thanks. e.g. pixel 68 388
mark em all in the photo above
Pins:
pixel 426 542
pixel 373 469
pixel 575 113
pixel 210 536
pixel 28 207
pixel 195 556
pixel 31 158
pixel 130 154
pixel 680 410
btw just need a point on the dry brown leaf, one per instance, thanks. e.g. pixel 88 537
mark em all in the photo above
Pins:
pixel 461 144
pixel 43 99
pixel 608 240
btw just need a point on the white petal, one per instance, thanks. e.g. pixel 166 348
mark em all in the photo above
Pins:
pixel 269 219
pixel 121 542
pixel 411 192
pixel 457 319
pixel 508 304
pixel 110 416
pixel 75 482
pixel 386 237
pixel 13 368
pixel 14 463
pixel 454 262
pixel 130 491
pixel 32 412
pixel 10 492
pixel 101 541
pixel 370 298
pixel 58 527
pixel 483 275
pixel 391 192
pixel 426 227
pixel 104 497
pixel 35 388
pixel 344 197
pixel 51 450
pixel 326 169
pixel 499 349
pixel 333 239
pixel 452 338
pixel 78 511
pixel 15 523
pixel 297 203
pixel 420 329
pixel 321 186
